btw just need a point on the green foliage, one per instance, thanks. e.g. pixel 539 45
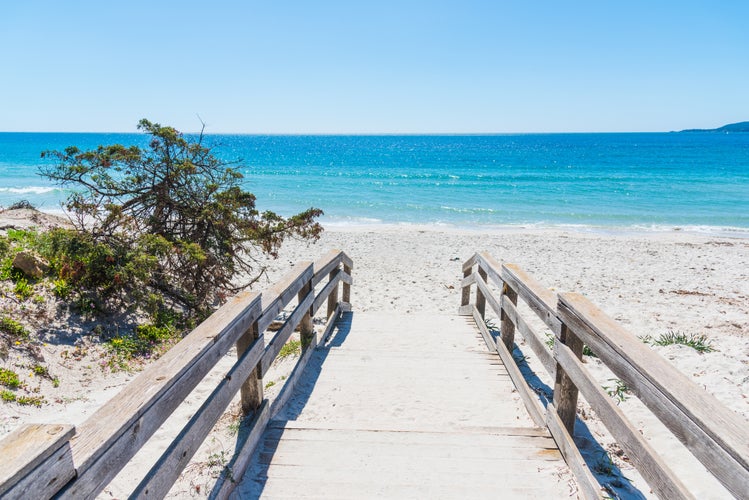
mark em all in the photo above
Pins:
pixel 9 378
pixel 23 289
pixel 7 396
pixel 61 288
pixel 699 343
pixel 13 328
pixel 30 400
pixel 619 391
pixel 41 371
pixel 145 341
pixel 292 347
pixel 4 246
pixel 193 227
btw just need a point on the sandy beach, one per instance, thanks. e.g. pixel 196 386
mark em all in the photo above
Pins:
pixel 652 283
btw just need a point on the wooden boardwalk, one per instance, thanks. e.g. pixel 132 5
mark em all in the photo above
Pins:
pixel 405 406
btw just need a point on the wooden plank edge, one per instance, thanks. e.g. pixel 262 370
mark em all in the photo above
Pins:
pixel 27 447
pixel 47 479
pixel 468 264
pixel 586 482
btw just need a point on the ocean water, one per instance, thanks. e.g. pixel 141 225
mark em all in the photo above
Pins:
pixel 640 181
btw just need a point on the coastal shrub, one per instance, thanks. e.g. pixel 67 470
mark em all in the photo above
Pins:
pixel 7 396
pixel 178 204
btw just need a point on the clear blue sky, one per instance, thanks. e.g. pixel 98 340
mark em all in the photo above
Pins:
pixel 282 66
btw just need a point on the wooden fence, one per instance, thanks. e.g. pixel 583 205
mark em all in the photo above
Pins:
pixel 42 461
pixel 716 436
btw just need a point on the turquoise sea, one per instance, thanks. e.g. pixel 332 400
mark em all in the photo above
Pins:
pixel 639 181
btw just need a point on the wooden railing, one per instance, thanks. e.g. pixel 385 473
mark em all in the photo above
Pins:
pixel 41 461
pixel 716 436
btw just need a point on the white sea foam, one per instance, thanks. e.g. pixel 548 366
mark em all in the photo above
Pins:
pixel 29 190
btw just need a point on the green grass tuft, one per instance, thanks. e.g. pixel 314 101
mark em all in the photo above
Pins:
pixel 699 343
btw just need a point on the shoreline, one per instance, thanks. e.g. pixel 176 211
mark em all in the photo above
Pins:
pixel 644 231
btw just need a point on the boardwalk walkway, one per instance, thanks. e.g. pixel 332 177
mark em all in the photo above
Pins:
pixel 405 406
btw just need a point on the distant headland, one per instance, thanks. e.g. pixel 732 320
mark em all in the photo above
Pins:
pixel 731 127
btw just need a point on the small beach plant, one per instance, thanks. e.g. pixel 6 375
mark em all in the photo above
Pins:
pixel 699 343
pixel 9 378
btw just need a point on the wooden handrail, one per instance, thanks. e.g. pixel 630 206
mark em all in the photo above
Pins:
pixel 104 443
pixel 716 436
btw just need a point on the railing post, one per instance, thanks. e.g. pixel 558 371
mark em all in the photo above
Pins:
pixel 306 328
pixel 565 392
pixel 465 299
pixel 252 388
pixel 480 299
pixel 507 327
pixel 346 287
pixel 333 297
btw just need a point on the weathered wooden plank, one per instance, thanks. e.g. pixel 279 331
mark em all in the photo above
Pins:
pixel 252 387
pixel 464 432
pixel 238 465
pixel 530 335
pixel 589 487
pixel 280 294
pixel 541 300
pixel 482 292
pixel 167 469
pixel 487 296
pixel 530 399
pixel 328 291
pixel 511 437
pixel 490 266
pixel 507 326
pixel 467 281
pixel 115 432
pixel 37 461
pixel 325 265
pixel 565 392
pixel 467 265
pixel 346 293
pixel 283 334
pixel 718 437
pixel 654 470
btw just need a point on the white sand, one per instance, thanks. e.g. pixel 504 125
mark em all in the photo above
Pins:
pixel 651 283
